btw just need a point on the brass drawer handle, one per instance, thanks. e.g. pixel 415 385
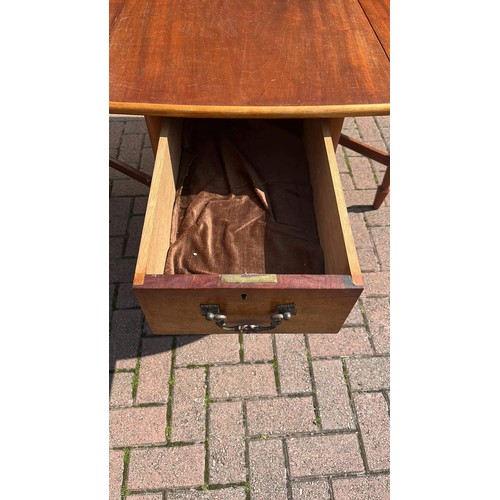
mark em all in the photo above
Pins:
pixel 283 312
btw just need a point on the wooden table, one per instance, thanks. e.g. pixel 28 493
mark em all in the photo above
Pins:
pixel 249 58
pixel 311 60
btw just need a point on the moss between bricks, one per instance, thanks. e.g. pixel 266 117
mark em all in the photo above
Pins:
pixel 126 461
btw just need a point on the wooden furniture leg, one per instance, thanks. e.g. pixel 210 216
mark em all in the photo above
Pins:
pixel 336 125
pixel 376 155
pixel 132 172
pixel 153 124
pixel 383 189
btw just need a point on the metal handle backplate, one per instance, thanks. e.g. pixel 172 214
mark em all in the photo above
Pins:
pixel 283 312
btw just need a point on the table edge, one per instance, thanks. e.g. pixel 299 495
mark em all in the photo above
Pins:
pixel 200 111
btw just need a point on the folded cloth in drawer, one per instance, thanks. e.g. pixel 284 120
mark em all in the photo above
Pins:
pixel 245 204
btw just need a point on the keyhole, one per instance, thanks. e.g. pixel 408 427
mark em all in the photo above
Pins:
pixel 244 296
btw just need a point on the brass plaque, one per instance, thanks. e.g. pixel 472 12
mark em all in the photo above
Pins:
pixel 249 278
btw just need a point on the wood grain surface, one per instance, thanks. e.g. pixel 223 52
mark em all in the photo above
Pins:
pixel 192 57
pixel 114 10
pixel 378 13
pixel 171 303
pixel 332 218
pixel 155 238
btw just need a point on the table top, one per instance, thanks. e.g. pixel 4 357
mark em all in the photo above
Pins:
pixel 378 13
pixel 252 58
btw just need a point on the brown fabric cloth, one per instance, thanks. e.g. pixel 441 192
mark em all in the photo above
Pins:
pixel 246 201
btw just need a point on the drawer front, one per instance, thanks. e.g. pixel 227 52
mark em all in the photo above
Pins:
pixel 321 303
pixel 172 304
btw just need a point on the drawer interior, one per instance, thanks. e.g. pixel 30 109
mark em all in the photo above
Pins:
pixel 277 231
pixel 244 202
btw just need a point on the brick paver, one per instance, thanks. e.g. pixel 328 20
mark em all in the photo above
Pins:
pixel 258 347
pixel 368 260
pixel 121 389
pixel 140 204
pixel 342 162
pixel 358 226
pixel 115 247
pixel 242 381
pixel 329 454
pixel 145 496
pixel 121 270
pixel 293 367
pixel 380 236
pixel 333 398
pixel 311 490
pixel 355 317
pixel 368 373
pixel 348 342
pixel 125 298
pixel 257 416
pixel 154 372
pixel 131 148
pixel 135 426
pixel 177 467
pixel 135 126
pixel 124 339
pixel 281 416
pixel 115 474
pixel 267 470
pixel 207 349
pixel 378 316
pixel 362 172
pixel 188 415
pixel 226 442
pixel 128 187
pixel 359 198
pixel 116 126
pixel 134 236
pixel 233 493
pixel 376 283
pixel 361 488
pixel 147 161
pixel 119 211
pixel 380 217
pixel 347 182
pixel 373 419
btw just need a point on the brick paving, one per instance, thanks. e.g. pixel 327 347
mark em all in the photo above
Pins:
pixel 255 416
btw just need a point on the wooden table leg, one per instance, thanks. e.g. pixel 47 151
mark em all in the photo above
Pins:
pixel 131 172
pixel 376 155
pixel 336 125
pixel 383 190
pixel 153 124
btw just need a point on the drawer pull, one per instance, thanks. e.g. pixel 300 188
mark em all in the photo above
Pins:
pixel 283 312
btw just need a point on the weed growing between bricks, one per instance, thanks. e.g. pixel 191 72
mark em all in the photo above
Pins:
pixel 207 427
pixel 126 462
pixel 388 402
pixel 240 340
pixel 366 325
pixel 356 421
pixel 135 378
pixel 275 365
pixel 287 469
pixel 313 384
pixel 171 382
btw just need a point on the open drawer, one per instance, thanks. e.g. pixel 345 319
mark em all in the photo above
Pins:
pixel 190 303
